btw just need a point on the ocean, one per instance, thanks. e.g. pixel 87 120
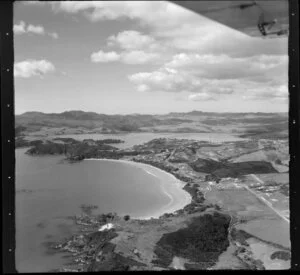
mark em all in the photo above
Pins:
pixel 49 190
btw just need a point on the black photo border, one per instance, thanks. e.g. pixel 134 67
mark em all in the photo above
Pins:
pixel 8 134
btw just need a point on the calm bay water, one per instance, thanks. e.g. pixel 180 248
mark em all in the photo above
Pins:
pixel 47 191
pixel 139 138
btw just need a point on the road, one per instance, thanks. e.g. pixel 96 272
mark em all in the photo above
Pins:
pixel 257 178
pixel 261 198
pixel 264 200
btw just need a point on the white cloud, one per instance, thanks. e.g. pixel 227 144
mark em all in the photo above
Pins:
pixel 104 57
pixel 209 77
pixel 29 68
pixel 223 75
pixel 264 67
pixel 150 12
pixel 19 28
pixel 136 48
pixel 201 97
pixel 184 29
pixel 138 57
pixel 165 80
pixel 142 88
pixel 53 35
pixel 35 29
pixel 267 93
pixel 195 54
pixel 131 40
pixel 127 57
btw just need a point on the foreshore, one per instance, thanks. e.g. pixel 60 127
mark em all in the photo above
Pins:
pixel 172 188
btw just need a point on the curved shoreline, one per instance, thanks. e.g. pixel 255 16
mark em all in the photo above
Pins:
pixel 163 189
pixel 175 203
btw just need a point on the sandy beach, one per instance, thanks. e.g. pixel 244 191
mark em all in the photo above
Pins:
pixel 170 186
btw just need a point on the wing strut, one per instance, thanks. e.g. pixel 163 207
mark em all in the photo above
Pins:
pixel 265 26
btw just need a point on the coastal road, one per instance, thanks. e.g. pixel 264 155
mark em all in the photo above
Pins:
pixel 257 178
pixel 261 198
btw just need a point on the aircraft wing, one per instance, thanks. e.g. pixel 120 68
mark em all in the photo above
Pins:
pixel 255 18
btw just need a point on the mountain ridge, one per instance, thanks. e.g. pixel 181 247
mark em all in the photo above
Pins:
pixel 247 124
pixel 194 112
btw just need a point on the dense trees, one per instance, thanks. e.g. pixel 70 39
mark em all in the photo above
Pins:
pixel 227 169
pixel 126 217
pixel 19 130
pixel 202 241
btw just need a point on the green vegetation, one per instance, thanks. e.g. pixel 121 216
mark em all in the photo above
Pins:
pixel 21 142
pixel 256 125
pixel 233 170
pixel 284 189
pixel 67 140
pixel 203 241
pixel 19 130
pixel 126 217
pixel 281 255
pixel 48 148
pixel 109 141
pixel 72 149
pixel 240 236
pixel 78 150
pixel 88 208
pixel 198 237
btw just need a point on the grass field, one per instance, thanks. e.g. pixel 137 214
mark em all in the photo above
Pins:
pixel 259 219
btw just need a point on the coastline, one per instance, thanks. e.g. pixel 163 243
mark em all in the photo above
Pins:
pixel 177 202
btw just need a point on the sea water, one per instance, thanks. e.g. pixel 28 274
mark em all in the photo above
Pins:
pixel 49 190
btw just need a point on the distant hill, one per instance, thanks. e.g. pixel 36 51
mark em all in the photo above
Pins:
pixel 246 124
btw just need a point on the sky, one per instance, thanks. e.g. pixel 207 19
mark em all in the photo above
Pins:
pixel 151 57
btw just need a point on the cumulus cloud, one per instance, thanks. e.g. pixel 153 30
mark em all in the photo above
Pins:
pixel 104 57
pixel 194 54
pixel 127 57
pixel 222 75
pixel 29 68
pixel 267 93
pixel 111 10
pixel 264 67
pixel 19 28
pixel 142 88
pixel 53 35
pixel 131 40
pixel 211 77
pixel 133 47
pixel 138 57
pixel 35 29
pixel 185 30
pixel 166 80
pixel 201 97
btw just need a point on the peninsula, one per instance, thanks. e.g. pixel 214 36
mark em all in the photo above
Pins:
pixel 231 184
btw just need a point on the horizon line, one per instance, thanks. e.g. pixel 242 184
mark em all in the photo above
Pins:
pixel 225 112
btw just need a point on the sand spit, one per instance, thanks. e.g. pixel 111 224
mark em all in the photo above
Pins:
pixel 171 187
